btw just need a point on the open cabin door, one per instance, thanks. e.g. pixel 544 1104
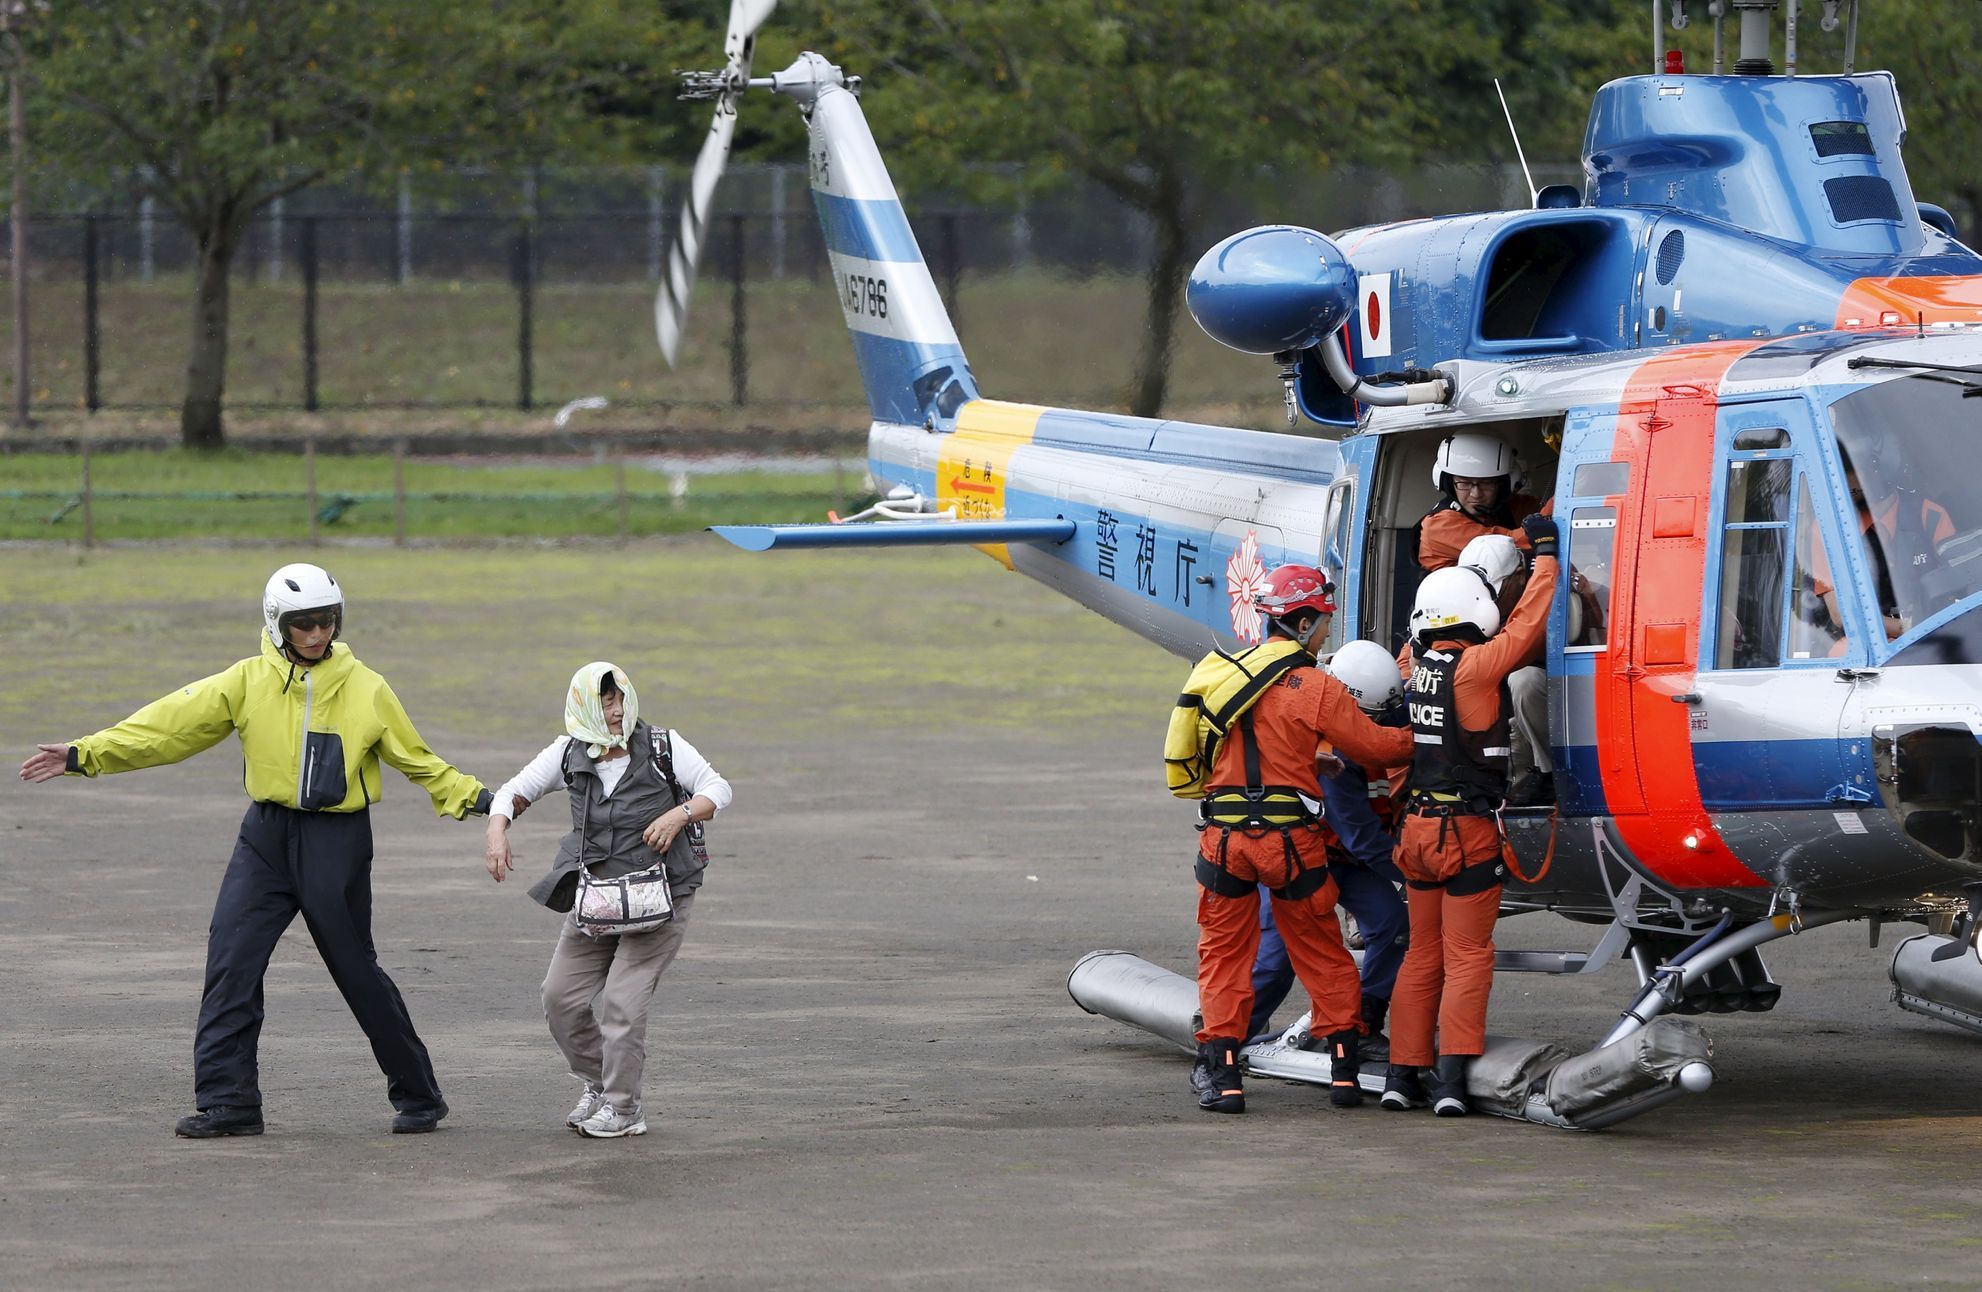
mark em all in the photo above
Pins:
pixel 1590 493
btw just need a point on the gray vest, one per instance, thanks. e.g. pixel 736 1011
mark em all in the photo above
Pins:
pixel 606 831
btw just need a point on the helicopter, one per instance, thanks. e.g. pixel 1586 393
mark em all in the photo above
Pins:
pixel 1744 362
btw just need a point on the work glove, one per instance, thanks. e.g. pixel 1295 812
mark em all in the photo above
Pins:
pixel 1542 533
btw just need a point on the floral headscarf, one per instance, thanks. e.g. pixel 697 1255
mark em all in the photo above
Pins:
pixel 585 711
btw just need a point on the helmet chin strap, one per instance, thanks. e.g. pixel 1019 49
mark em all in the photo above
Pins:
pixel 1301 638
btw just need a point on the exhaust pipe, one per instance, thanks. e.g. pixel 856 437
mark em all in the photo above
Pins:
pixel 1949 989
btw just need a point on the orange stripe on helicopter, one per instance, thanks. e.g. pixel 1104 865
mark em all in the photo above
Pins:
pixel 1903 302
pixel 1665 430
pixel 973 461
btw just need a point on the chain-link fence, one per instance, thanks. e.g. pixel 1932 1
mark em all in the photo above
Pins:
pixel 396 306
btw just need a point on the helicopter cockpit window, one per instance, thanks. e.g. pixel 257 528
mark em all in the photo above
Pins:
pixel 1753 562
pixel 1907 447
pixel 1592 550
pixel 1816 624
pixel 1601 479
pixel 1761 437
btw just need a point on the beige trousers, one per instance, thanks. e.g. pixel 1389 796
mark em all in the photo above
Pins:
pixel 1528 688
pixel 609 1051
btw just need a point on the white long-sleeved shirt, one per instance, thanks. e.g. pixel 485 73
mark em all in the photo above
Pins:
pixel 545 773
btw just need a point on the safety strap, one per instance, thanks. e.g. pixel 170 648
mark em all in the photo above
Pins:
pixel 1254 785
pixel 1222 881
pixel 1304 885
pixel 1548 855
pixel 664 764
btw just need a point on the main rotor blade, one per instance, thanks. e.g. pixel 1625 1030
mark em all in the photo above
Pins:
pixel 678 283
pixel 747 16
pixel 684 257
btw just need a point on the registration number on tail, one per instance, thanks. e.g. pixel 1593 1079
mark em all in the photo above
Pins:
pixel 865 296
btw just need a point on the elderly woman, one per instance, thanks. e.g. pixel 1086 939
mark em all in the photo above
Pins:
pixel 635 791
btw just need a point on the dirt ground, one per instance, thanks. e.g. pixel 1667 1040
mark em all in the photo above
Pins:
pixel 865 1069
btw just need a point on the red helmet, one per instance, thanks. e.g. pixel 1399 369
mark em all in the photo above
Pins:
pixel 1291 589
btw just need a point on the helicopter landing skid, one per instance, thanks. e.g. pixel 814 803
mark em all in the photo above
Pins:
pixel 1525 1080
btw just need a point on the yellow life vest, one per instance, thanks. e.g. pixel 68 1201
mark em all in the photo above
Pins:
pixel 1220 688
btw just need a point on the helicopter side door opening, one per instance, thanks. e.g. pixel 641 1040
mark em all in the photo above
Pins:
pixel 1402 494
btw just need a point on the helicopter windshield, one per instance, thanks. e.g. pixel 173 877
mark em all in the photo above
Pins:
pixel 1909 447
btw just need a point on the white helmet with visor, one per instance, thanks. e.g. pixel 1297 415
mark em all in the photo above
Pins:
pixel 300 592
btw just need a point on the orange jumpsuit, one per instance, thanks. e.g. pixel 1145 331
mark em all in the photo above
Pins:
pixel 1445 533
pixel 1290 721
pixel 1448 969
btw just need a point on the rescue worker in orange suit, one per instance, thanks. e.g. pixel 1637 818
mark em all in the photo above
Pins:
pixel 1450 847
pixel 1907 528
pixel 1361 811
pixel 1475 474
pixel 1262 824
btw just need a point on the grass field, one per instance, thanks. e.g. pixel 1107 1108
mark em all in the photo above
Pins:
pixel 1031 336
pixel 240 495
pixel 800 641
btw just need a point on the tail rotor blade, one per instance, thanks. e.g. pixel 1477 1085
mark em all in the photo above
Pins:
pixel 678 283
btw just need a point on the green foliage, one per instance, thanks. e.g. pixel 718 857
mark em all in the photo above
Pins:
pixel 218 106
pixel 1929 45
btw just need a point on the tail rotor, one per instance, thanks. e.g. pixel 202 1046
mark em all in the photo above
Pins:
pixel 725 87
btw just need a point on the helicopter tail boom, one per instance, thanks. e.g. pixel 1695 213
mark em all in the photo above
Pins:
pixel 911 364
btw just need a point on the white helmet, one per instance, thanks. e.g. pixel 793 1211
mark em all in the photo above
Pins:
pixel 298 589
pixel 1476 456
pixel 1453 596
pixel 1369 673
pixel 1494 556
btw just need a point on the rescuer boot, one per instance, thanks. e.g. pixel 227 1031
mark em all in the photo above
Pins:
pixel 1376 1046
pixel 1403 1088
pixel 1219 1088
pixel 1532 789
pixel 1345 1068
pixel 1448 1085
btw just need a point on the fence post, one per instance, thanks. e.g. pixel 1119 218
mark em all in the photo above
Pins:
pixel 739 350
pixel 952 265
pixel 89 508
pixel 521 258
pixel 310 476
pixel 309 251
pixel 619 488
pixel 402 261
pixel 399 493
pixel 92 336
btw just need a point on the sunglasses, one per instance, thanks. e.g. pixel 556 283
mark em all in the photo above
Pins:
pixel 309 623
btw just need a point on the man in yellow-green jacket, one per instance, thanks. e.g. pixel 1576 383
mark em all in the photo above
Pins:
pixel 314 726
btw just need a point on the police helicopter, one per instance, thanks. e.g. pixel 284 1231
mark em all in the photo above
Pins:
pixel 1743 360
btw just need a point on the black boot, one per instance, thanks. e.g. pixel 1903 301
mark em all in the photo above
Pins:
pixel 1345 1068
pixel 1403 1088
pixel 1219 1089
pixel 1376 1046
pixel 1448 1085
pixel 212 1123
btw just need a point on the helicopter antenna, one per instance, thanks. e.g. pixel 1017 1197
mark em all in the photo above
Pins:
pixel 1525 172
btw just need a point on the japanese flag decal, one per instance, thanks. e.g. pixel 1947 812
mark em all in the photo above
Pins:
pixel 1373 316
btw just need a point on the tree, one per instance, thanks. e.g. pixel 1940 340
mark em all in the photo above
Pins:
pixel 219 107
pixel 1929 49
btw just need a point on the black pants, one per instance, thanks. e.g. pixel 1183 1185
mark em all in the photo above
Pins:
pixel 319 863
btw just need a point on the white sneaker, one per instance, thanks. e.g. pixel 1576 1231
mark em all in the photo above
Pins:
pixel 588 1103
pixel 606 1123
